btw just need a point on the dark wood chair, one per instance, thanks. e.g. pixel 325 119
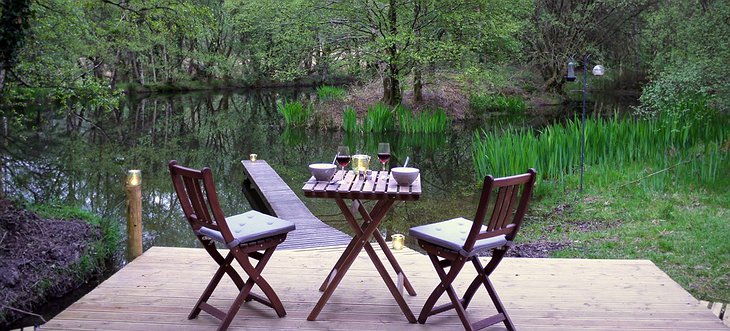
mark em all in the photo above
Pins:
pixel 458 241
pixel 245 235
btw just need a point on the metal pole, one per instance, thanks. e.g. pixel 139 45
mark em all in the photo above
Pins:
pixel 583 119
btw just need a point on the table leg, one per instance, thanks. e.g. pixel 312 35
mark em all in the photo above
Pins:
pixel 394 263
pixel 359 240
pixel 377 213
pixel 358 229
pixel 370 219
pixel 338 265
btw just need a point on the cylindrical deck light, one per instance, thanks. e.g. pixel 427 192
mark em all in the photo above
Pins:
pixel 133 189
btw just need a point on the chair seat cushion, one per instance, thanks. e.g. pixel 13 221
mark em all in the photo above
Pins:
pixel 250 226
pixel 452 235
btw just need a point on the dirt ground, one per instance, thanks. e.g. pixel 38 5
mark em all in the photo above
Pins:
pixel 36 258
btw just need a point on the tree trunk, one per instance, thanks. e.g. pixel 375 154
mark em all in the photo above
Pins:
pixel 391 90
pixel 417 85
pixel 387 95
pixel 417 73
pixel 2 79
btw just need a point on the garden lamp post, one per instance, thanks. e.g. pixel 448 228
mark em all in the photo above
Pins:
pixel 598 70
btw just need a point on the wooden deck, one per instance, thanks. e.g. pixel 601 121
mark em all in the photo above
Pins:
pixel 157 290
pixel 271 195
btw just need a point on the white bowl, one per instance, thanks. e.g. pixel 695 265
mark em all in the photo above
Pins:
pixel 322 171
pixel 404 175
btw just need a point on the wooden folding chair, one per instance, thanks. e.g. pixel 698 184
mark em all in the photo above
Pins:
pixel 458 241
pixel 245 235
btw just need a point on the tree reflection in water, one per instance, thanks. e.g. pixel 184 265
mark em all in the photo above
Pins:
pixel 83 162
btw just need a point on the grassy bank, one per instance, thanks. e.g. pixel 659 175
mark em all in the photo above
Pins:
pixel 101 250
pixel 683 229
pixel 48 251
pixel 654 189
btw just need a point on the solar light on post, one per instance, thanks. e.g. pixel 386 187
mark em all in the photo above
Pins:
pixel 598 70
pixel 133 188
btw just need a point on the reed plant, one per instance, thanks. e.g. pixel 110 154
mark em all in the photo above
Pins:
pixel 330 93
pixel 295 113
pixel 349 120
pixel 423 122
pixel 694 151
pixel 483 103
pixel 379 118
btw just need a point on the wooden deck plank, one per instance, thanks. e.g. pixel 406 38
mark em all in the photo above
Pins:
pixel 286 205
pixel 157 290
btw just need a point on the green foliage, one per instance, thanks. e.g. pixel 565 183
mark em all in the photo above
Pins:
pixel 14 19
pixel 482 103
pixel 87 93
pixel 379 118
pixel 687 69
pixel 423 122
pixel 696 151
pixel 349 120
pixel 295 113
pixel 330 93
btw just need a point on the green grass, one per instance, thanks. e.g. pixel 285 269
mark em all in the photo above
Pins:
pixel 294 112
pixel 424 122
pixel 379 118
pixel 483 103
pixel 330 93
pixel 349 120
pixel 696 151
pixel 654 189
pixel 682 229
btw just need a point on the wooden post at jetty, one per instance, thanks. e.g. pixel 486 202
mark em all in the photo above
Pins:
pixel 134 214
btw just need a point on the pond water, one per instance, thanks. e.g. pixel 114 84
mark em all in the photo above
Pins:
pixel 81 159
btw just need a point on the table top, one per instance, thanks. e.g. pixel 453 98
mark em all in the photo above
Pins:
pixel 379 185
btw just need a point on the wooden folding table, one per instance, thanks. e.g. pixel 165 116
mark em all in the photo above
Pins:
pixel 381 187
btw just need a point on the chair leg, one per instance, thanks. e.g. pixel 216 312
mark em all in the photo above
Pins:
pixel 255 277
pixel 497 256
pixel 493 295
pixel 444 286
pixel 222 263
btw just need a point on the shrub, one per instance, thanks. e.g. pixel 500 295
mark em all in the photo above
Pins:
pixel 482 103
pixel 424 122
pixel 295 113
pixel 330 93
pixel 379 118
pixel 349 120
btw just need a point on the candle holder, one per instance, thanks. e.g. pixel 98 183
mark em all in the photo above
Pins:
pixel 253 157
pixel 134 177
pixel 399 241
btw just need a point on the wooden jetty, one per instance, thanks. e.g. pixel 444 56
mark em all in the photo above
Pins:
pixel 269 194
pixel 157 290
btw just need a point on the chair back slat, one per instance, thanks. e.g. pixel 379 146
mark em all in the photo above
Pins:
pixel 196 192
pixel 506 216
pixel 195 195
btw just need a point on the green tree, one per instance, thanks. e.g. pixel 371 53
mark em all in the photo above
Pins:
pixel 688 60
pixel 564 29
pixel 14 21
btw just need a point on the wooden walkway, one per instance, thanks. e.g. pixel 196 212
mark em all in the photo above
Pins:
pixel 157 290
pixel 269 194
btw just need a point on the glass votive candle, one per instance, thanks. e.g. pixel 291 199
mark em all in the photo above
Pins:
pixel 252 157
pixel 399 241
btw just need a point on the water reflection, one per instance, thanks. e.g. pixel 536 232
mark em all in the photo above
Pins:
pixel 83 161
